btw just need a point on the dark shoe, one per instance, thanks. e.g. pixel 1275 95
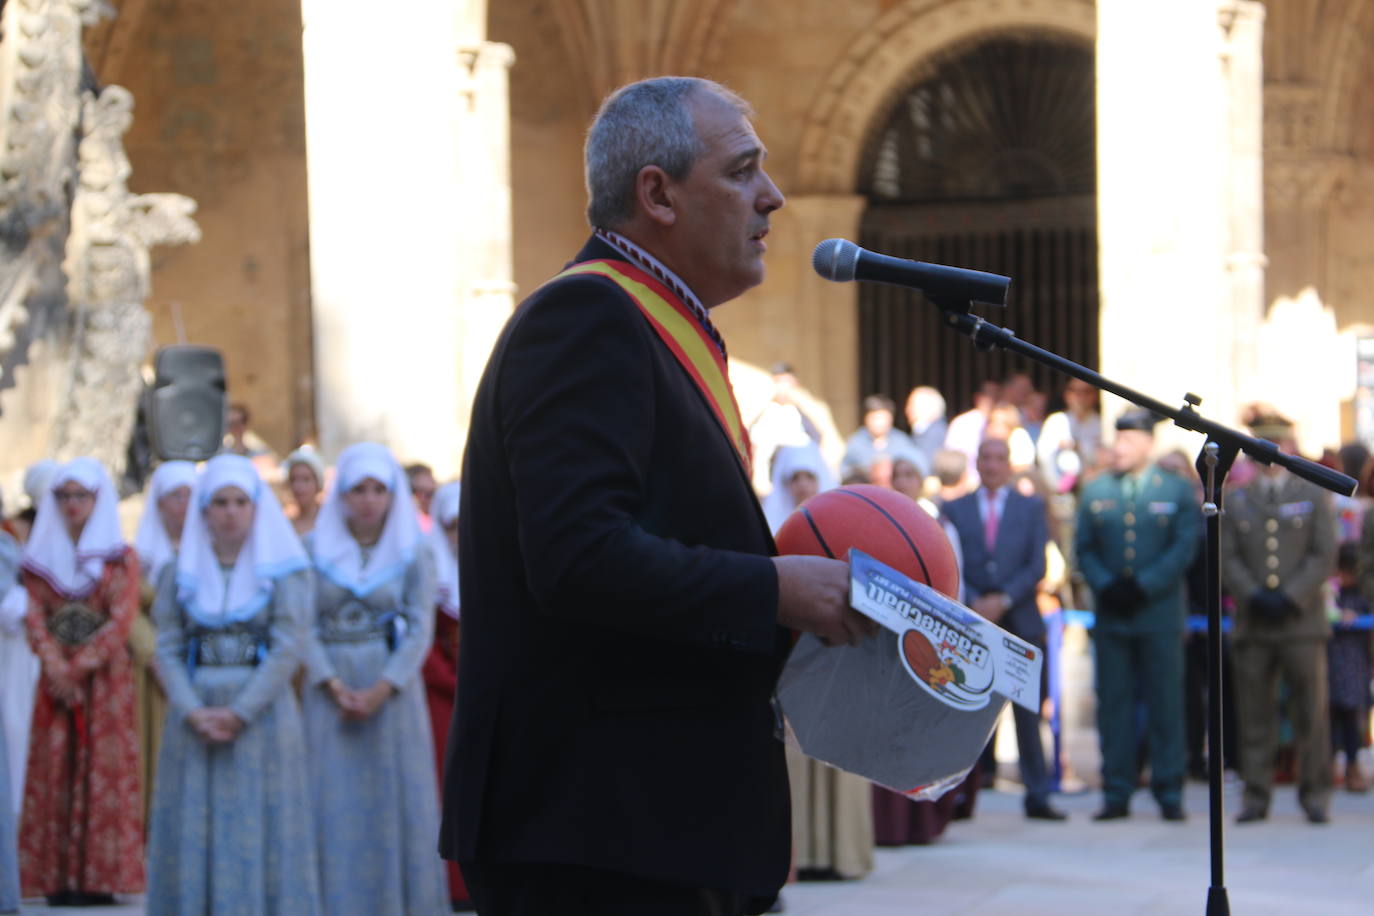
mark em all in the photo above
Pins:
pixel 1173 812
pixel 1044 811
pixel 1112 812
pixel 86 898
pixel 464 906
pixel 61 898
pixel 777 906
pixel 818 874
pixel 1251 813
pixel 1316 816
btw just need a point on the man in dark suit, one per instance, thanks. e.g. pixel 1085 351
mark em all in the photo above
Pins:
pixel 613 747
pixel 1003 536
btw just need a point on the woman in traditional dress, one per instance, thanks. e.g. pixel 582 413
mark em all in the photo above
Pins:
pixel 231 828
pixel 18 665
pixel 441 665
pixel 9 854
pixel 159 532
pixel 832 818
pixel 81 835
pixel 305 480
pixel 18 673
pixel 371 759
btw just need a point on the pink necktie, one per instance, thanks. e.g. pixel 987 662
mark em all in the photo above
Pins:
pixel 990 520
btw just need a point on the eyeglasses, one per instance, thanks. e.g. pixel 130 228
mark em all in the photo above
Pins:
pixel 73 496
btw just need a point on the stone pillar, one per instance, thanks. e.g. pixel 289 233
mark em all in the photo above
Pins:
pixel 487 287
pixel 796 316
pixel 407 176
pixel 1162 204
pixel 1242 36
pixel 1305 369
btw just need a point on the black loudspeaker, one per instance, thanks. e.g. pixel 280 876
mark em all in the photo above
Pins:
pixel 186 404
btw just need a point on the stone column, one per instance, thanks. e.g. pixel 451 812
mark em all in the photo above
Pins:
pixel 487 287
pixel 1242 36
pixel 1162 204
pixel 406 134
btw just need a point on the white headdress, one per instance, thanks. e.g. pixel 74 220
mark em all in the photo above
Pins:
pixel 154 544
pixel 37 477
pixel 74 569
pixel 338 556
pixel 445 511
pixel 788 460
pixel 271 550
pixel 307 456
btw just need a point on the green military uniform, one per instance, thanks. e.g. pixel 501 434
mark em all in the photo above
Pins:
pixel 1278 547
pixel 1141 529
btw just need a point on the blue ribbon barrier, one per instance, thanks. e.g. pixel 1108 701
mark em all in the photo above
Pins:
pixel 1195 623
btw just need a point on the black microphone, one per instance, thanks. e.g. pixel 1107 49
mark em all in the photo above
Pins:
pixel 949 287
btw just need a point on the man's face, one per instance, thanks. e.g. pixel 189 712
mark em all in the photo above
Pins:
pixel 721 208
pixel 878 423
pixel 783 385
pixel 1017 389
pixel 1079 396
pixel 906 478
pixel 422 487
pixel 1131 450
pixel 994 463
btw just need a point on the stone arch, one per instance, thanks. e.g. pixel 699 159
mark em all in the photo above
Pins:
pixel 876 67
pixel 1345 80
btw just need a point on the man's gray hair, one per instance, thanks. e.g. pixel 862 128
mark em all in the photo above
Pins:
pixel 644 123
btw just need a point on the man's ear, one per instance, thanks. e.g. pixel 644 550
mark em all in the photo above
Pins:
pixel 655 194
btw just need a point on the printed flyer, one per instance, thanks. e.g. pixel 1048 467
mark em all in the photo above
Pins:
pixel 911 708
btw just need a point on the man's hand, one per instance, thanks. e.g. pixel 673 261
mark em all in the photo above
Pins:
pixel 991 607
pixel 813 596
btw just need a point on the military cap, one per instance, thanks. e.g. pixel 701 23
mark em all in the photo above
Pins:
pixel 1138 418
pixel 1272 426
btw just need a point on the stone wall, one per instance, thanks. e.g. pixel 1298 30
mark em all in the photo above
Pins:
pixel 221 119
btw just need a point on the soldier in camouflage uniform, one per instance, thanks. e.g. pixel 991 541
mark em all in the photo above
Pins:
pixel 1136 534
pixel 1278 548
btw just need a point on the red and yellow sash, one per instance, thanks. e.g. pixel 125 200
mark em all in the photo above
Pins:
pixel 683 334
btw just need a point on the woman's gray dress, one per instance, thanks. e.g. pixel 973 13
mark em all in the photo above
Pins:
pixel 231 830
pixel 9 856
pixel 373 782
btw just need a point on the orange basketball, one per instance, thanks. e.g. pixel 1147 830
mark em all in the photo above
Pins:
pixel 920 654
pixel 885 524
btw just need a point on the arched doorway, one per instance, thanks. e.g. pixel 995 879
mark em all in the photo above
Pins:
pixel 986 161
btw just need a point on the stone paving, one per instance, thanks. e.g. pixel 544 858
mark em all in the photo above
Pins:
pixel 1000 863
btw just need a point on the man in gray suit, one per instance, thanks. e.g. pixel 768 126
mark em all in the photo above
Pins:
pixel 1278 548
pixel 1003 535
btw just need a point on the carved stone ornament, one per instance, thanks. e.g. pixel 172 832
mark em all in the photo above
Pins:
pixel 74 269
pixel 878 68
pixel 614 42
pixel 40 76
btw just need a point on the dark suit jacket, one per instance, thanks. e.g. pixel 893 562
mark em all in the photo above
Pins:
pixel 1014 566
pixel 620 641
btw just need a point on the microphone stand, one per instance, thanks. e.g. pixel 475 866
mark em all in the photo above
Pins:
pixel 1218 453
